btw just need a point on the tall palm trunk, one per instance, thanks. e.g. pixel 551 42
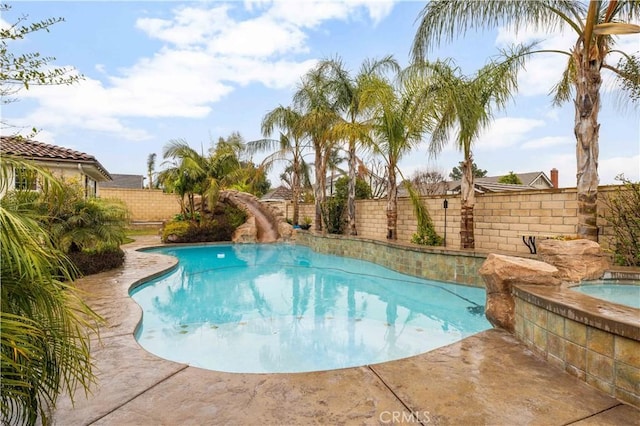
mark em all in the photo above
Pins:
pixel 295 190
pixel 392 205
pixel 320 185
pixel 351 199
pixel 467 202
pixel 587 106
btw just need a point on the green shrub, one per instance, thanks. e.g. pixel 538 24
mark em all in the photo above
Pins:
pixel 333 214
pixel 234 215
pixel 427 237
pixel 93 262
pixel 426 234
pixel 175 231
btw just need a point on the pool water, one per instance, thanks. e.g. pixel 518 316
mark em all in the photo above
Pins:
pixel 622 292
pixel 263 308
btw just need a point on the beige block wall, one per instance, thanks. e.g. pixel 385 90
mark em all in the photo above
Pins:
pixel 501 219
pixel 145 205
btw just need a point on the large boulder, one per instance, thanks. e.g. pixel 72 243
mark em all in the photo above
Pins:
pixel 246 233
pixel 285 230
pixel 576 260
pixel 500 273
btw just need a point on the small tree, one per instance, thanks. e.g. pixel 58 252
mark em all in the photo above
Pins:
pixel 456 172
pixel 151 165
pixel 623 214
pixel 21 71
pixel 511 179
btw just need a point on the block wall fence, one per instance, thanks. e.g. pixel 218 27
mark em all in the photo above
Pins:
pixel 145 205
pixel 501 219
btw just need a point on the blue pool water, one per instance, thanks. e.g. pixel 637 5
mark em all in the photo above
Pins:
pixel 627 293
pixel 262 308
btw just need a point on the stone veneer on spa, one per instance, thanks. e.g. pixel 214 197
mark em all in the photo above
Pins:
pixel 591 339
pixel 594 340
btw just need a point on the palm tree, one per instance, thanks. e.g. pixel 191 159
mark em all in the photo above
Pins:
pixel 353 109
pixel 151 164
pixel 593 24
pixel 289 143
pixel 464 105
pixel 401 116
pixel 45 325
pixel 183 174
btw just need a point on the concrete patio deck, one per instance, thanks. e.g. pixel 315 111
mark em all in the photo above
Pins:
pixel 487 379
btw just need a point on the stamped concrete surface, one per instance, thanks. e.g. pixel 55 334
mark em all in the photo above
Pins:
pixel 487 379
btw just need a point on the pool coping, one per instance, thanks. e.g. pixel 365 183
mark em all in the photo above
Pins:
pixel 488 378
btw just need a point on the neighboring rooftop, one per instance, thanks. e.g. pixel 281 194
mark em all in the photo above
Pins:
pixel 280 193
pixel 530 181
pixel 125 181
pixel 39 151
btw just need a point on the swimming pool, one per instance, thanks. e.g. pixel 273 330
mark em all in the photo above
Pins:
pixel 616 291
pixel 264 308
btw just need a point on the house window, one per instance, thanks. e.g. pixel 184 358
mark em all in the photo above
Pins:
pixel 25 179
pixel 90 187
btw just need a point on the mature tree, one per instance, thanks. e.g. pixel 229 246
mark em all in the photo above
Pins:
pixel 429 182
pixel 151 165
pixel 594 25
pixel 21 71
pixel 400 117
pixel 354 126
pixel 45 325
pixel 510 178
pixel 464 105
pixel 289 144
pixel 456 172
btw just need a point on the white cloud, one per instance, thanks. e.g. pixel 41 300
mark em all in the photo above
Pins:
pixel 506 131
pixel 261 37
pixel 547 142
pixel 208 52
pixel 189 26
pixel 609 168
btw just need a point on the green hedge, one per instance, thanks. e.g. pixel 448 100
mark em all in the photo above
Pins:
pixel 94 262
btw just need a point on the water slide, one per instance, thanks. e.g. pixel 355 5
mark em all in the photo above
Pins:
pixel 267 223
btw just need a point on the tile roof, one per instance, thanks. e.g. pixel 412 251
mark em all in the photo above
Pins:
pixel 124 181
pixel 279 193
pixel 33 150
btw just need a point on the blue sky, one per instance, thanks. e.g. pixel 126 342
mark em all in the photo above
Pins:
pixel 156 71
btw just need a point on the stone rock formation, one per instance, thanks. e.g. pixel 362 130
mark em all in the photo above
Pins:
pixel 576 260
pixel 500 273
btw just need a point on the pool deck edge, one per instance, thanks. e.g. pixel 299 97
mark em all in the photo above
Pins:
pixel 488 378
